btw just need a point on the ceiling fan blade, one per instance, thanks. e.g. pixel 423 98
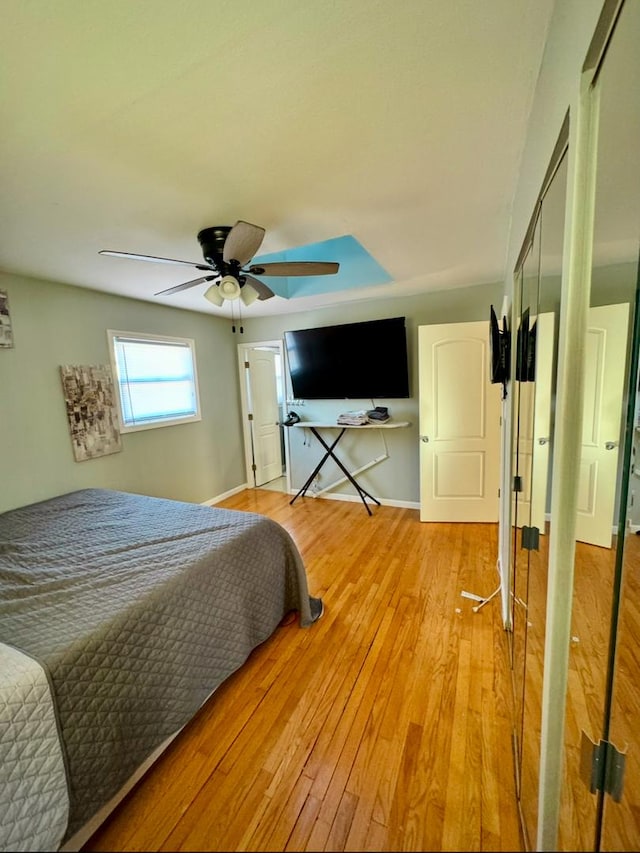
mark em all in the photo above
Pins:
pixel 264 291
pixel 178 287
pixel 296 268
pixel 154 259
pixel 242 242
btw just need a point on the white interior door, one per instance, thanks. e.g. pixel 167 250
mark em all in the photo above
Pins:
pixel 459 424
pixel 535 428
pixel 605 357
pixel 263 406
pixel 542 419
pixel 523 453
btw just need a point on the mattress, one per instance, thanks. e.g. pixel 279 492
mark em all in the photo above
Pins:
pixel 134 609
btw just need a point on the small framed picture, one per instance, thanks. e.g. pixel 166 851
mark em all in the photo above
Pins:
pixel 6 333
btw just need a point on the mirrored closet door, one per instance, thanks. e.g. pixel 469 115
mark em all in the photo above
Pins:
pixel 537 315
pixel 523 398
pixel 601 811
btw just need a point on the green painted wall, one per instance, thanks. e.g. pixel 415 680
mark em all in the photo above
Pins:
pixel 398 477
pixel 57 324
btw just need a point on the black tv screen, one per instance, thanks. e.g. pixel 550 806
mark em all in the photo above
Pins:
pixel 349 361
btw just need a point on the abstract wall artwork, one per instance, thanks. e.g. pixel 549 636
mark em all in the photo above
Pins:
pixel 6 333
pixel 93 418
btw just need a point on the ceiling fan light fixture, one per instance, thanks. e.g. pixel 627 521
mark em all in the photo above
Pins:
pixel 229 287
pixel 213 295
pixel 248 294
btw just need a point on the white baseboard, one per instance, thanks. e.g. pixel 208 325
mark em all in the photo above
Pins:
pixel 357 499
pixel 224 495
pixel 325 496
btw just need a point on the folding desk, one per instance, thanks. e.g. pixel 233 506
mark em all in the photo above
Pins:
pixel 314 426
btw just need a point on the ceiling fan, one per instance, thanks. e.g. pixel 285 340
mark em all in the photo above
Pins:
pixel 227 251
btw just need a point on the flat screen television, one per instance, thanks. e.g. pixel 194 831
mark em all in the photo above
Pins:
pixel 366 360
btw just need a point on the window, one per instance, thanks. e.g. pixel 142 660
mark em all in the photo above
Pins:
pixel 156 379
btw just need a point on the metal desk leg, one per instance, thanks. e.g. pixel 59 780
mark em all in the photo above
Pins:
pixel 311 477
pixel 329 453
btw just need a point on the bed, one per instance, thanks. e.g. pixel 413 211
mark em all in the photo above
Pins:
pixel 120 614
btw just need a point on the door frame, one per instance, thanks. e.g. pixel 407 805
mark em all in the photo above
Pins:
pixel 244 407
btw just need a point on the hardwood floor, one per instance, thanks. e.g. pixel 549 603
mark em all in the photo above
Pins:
pixel 386 725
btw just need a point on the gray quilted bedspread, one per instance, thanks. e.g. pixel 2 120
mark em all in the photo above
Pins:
pixel 138 608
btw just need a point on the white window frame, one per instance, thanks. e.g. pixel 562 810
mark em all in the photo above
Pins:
pixel 112 335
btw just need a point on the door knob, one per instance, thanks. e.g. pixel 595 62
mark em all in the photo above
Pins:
pixel 610 445
pixel 543 441
pixel 424 438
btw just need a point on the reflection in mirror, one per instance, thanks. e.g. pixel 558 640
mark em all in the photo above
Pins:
pixel 620 145
pixel 602 689
pixel 522 509
pixel 522 390
pixel 528 282
pixel 538 428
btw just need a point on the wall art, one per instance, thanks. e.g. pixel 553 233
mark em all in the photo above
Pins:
pixel 6 332
pixel 93 417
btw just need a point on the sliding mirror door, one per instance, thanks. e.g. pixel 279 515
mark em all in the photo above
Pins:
pixel 534 387
pixel 523 390
pixel 615 287
pixel 545 327
pixel 603 704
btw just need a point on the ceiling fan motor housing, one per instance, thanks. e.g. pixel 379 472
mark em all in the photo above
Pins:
pixel 212 242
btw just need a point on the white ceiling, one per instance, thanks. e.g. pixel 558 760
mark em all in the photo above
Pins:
pixel 132 124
